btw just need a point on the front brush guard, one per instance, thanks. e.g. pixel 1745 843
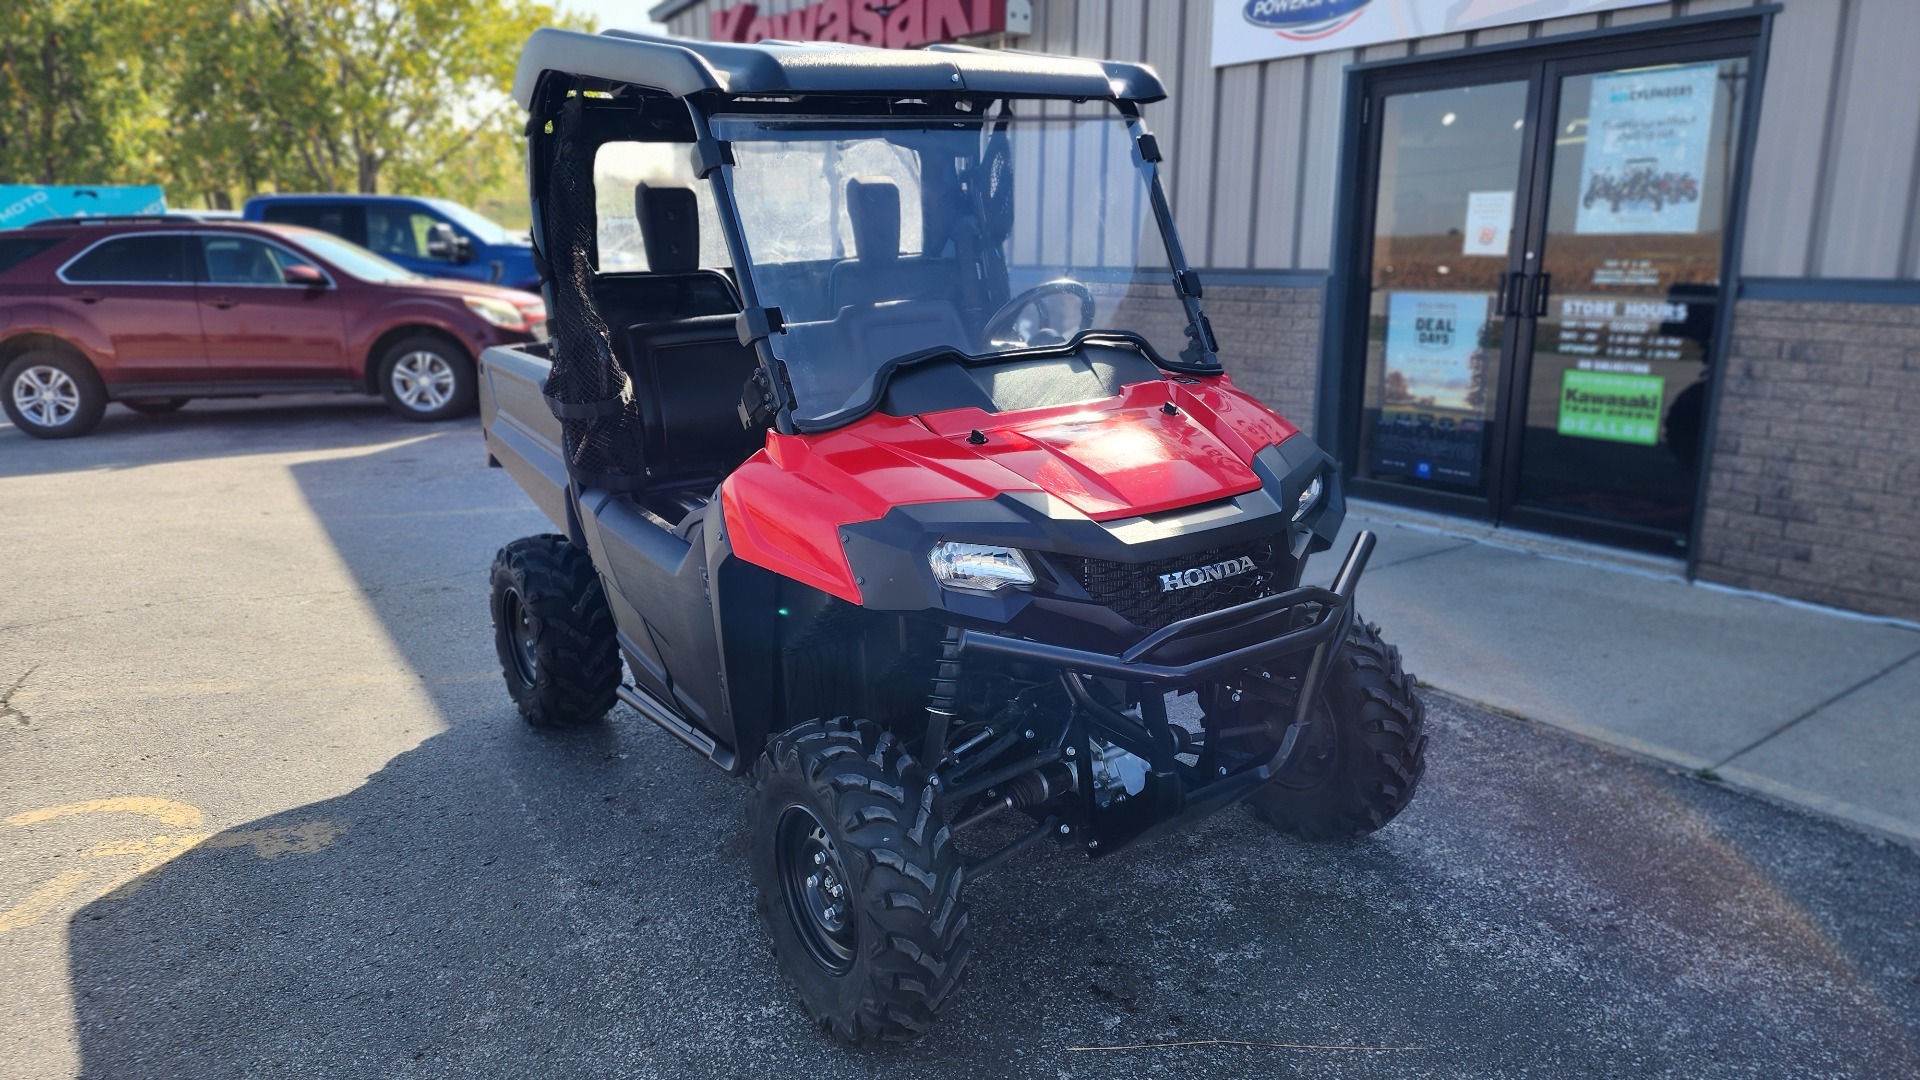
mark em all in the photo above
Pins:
pixel 1164 657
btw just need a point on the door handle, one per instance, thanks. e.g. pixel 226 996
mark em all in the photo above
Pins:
pixel 223 302
pixel 1511 285
pixel 88 297
pixel 1542 284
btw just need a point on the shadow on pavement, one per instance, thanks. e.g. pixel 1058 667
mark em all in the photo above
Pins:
pixel 211 429
pixel 503 903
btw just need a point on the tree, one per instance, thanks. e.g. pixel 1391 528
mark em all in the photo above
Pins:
pixel 70 92
pixel 347 95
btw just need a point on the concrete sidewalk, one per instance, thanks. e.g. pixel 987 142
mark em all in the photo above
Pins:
pixel 1799 704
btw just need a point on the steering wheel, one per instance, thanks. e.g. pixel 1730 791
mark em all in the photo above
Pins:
pixel 1008 324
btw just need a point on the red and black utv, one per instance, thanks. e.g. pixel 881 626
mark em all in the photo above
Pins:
pixel 922 500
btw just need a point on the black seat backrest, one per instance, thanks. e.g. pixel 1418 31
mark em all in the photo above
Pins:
pixel 878 271
pixel 674 287
pixel 669 227
pixel 688 375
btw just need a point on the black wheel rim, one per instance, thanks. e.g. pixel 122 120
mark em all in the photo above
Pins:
pixel 813 880
pixel 1318 755
pixel 517 621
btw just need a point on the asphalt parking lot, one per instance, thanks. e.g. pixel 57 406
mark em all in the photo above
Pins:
pixel 267 811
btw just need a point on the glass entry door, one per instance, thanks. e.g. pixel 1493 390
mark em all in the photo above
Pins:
pixel 1542 246
pixel 1627 292
pixel 1451 163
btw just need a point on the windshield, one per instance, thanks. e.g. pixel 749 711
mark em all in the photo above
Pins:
pixel 880 240
pixel 484 229
pixel 353 259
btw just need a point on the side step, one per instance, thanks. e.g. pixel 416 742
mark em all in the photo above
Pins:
pixel 663 714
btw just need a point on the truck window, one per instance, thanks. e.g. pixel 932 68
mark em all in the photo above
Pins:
pixel 347 222
pixel 399 230
pixel 618 167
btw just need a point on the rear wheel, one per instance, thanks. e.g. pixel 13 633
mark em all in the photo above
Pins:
pixel 52 395
pixel 157 406
pixel 1363 754
pixel 427 377
pixel 859 886
pixel 554 633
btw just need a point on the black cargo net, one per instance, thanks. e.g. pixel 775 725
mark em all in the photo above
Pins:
pixel 600 423
pixel 1153 594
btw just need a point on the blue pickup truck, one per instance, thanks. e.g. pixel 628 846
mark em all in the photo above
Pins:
pixel 428 236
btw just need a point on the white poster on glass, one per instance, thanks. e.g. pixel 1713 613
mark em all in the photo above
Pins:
pixel 1489 223
pixel 1646 150
pixel 1245 31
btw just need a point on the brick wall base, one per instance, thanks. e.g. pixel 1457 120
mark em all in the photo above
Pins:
pixel 1269 338
pixel 1814 488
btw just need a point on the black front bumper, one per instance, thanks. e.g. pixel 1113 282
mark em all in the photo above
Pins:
pixel 1206 646
pixel 1191 651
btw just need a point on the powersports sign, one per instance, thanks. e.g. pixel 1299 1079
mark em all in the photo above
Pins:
pixel 1245 31
pixel 893 24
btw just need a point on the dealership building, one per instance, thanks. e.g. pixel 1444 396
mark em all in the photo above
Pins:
pixel 1645 275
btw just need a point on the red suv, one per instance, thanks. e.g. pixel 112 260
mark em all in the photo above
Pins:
pixel 155 311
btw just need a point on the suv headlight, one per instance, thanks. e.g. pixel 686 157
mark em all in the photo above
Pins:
pixel 1309 498
pixel 979 567
pixel 498 312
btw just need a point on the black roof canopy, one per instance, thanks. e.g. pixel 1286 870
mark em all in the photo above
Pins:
pixel 683 67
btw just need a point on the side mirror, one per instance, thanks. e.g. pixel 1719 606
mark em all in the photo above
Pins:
pixel 298 274
pixel 444 243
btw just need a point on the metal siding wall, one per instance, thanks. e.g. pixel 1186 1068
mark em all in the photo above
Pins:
pixel 1231 211
pixel 1870 186
pixel 1319 160
pixel 1283 124
pixel 1796 105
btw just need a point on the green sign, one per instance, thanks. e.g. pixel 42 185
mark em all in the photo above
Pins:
pixel 1618 408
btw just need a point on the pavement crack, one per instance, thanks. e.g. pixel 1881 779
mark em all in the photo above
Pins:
pixel 1422 555
pixel 1769 736
pixel 6 700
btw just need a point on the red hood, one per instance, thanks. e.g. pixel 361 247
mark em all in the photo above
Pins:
pixel 1115 458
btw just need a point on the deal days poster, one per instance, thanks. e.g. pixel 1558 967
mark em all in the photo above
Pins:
pixel 1646 151
pixel 1433 391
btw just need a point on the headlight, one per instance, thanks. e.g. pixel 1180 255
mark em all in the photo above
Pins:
pixel 498 312
pixel 1309 498
pixel 980 567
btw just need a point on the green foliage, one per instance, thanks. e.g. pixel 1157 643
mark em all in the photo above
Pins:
pixel 220 99
pixel 70 92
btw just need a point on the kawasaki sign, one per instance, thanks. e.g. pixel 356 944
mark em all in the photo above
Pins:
pixel 894 24
pixel 1245 31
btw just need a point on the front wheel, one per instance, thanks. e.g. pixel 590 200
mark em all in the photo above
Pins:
pixel 427 377
pixel 52 395
pixel 1363 753
pixel 554 633
pixel 858 883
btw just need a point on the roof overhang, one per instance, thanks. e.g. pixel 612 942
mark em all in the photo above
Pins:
pixel 682 67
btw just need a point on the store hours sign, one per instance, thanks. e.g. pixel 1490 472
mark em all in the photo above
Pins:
pixel 1246 31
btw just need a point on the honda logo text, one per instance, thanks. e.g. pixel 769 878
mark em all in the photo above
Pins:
pixel 1200 575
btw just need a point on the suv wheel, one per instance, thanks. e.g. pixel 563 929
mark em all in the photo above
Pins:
pixel 427 377
pixel 858 883
pixel 52 395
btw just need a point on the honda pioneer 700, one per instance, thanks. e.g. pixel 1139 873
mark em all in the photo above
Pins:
pixel 923 501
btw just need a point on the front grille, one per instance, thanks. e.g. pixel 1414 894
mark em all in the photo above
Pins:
pixel 1134 591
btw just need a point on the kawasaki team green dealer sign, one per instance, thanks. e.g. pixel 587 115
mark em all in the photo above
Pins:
pixel 1618 408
